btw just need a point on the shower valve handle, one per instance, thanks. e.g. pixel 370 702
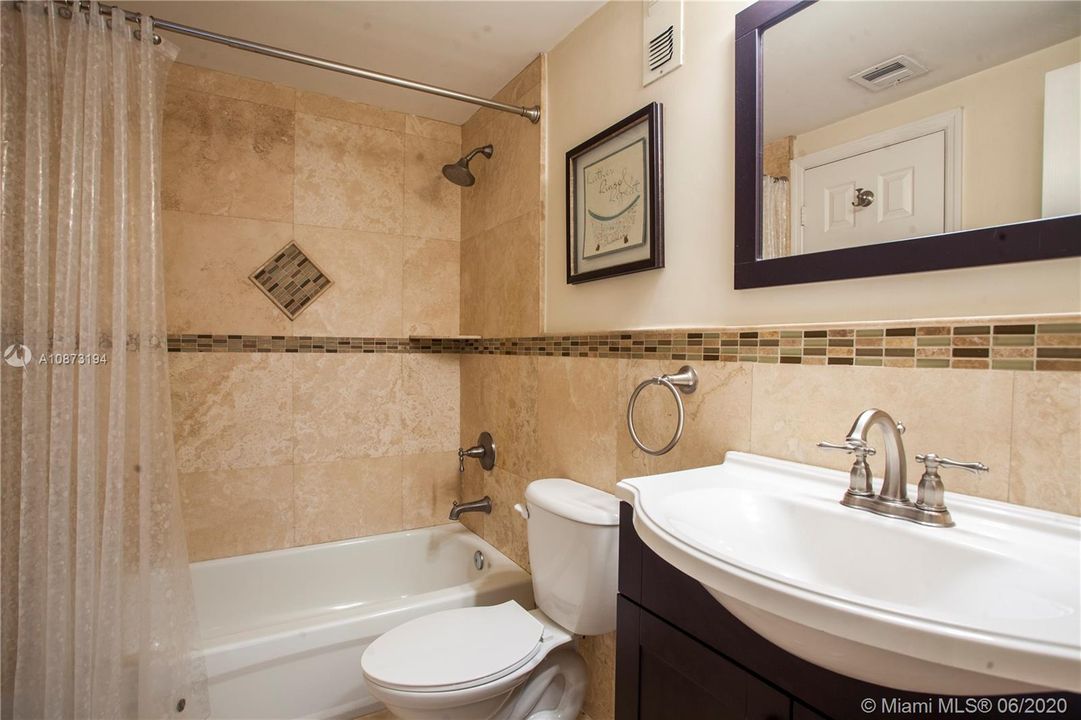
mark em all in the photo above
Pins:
pixel 484 451
pixel 463 454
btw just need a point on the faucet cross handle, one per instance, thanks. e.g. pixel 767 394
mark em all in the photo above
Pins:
pixel 859 477
pixel 932 462
pixel 932 493
pixel 853 447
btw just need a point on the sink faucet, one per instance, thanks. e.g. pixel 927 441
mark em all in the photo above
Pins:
pixel 892 500
pixel 483 505
pixel 894 482
pixel 894 488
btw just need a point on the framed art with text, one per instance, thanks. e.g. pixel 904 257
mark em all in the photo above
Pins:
pixel 615 199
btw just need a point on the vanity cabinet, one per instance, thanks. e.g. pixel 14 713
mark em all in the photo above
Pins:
pixel 681 655
pixel 679 677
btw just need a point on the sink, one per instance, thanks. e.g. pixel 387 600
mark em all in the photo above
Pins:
pixel 991 606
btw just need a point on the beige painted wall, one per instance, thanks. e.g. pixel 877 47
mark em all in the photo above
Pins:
pixel 277 449
pixel 594 80
pixel 1003 133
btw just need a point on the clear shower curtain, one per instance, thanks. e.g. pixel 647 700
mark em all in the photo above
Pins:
pixel 98 613
pixel 776 236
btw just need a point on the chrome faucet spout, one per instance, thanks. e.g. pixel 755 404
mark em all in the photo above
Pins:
pixel 894 482
pixel 483 505
pixel 892 500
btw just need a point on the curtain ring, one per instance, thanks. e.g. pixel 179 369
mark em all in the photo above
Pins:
pixel 683 382
pixel 138 35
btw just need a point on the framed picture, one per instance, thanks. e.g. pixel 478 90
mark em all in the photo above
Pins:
pixel 615 200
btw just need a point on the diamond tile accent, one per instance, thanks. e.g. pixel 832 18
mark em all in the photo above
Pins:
pixel 291 280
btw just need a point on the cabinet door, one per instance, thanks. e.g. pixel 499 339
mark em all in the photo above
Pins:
pixel 802 712
pixel 681 678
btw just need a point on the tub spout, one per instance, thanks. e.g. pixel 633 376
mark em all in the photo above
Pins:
pixel 483 505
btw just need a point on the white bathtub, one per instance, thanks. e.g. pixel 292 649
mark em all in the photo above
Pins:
pixel 283 631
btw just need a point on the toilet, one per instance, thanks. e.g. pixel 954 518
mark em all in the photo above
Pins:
pixel 504 662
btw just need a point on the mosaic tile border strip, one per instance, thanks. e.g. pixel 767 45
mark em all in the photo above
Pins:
pixel 311 344
pixel 989 345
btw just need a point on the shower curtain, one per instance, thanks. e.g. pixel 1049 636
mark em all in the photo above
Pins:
pixel 776 238
pixel 98 613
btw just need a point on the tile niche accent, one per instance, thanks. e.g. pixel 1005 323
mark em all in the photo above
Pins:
pixel 291 280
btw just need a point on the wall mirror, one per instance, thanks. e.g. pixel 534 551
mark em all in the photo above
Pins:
pixel 887 136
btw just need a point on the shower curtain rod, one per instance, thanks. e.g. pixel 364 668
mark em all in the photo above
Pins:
pixel 532 113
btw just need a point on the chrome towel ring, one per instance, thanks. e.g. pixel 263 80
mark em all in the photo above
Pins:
pixel 686 380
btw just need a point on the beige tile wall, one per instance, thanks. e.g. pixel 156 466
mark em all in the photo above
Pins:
pixel 277 449
pixel 249 166
pixel 502 216
pixel 526 402
pixel 555 416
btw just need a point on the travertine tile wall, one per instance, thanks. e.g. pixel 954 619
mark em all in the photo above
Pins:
pixel 502 285
pixel 502 216
pixel 565 417
pixel 278 449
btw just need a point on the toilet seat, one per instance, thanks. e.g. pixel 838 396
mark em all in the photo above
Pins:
pixel 454 649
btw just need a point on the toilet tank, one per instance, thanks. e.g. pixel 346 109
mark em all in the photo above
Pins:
pixel 573 553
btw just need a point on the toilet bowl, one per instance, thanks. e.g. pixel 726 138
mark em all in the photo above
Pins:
pixel 503 662
pixel 498 662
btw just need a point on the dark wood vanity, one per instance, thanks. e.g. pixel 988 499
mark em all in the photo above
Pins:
pixel 681 655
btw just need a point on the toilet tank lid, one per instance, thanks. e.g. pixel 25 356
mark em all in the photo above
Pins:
pixel 573 501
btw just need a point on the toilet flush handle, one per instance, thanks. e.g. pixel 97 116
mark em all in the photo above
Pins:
pixel 522 510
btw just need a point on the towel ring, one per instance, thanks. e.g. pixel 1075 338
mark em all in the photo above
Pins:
pixel 686 382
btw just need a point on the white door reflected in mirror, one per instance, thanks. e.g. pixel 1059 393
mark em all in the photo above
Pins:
pixel 851 96
pixel 903 196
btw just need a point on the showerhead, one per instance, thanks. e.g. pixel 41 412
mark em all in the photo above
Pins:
pixel 459 174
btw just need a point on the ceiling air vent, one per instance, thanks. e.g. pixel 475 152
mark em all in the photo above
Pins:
pixel 888 73
pixel 662 38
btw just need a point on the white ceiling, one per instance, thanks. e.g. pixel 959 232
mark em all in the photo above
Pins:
pixel 809 56
pixel 472 47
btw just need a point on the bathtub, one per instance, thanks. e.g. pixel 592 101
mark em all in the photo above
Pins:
pixel 283 631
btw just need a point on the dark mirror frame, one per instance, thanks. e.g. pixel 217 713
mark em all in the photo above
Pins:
pixel 1031 240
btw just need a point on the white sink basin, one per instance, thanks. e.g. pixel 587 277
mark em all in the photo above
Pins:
pixel 991 606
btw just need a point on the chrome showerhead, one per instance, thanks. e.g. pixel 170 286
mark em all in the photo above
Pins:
pixel 459 174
